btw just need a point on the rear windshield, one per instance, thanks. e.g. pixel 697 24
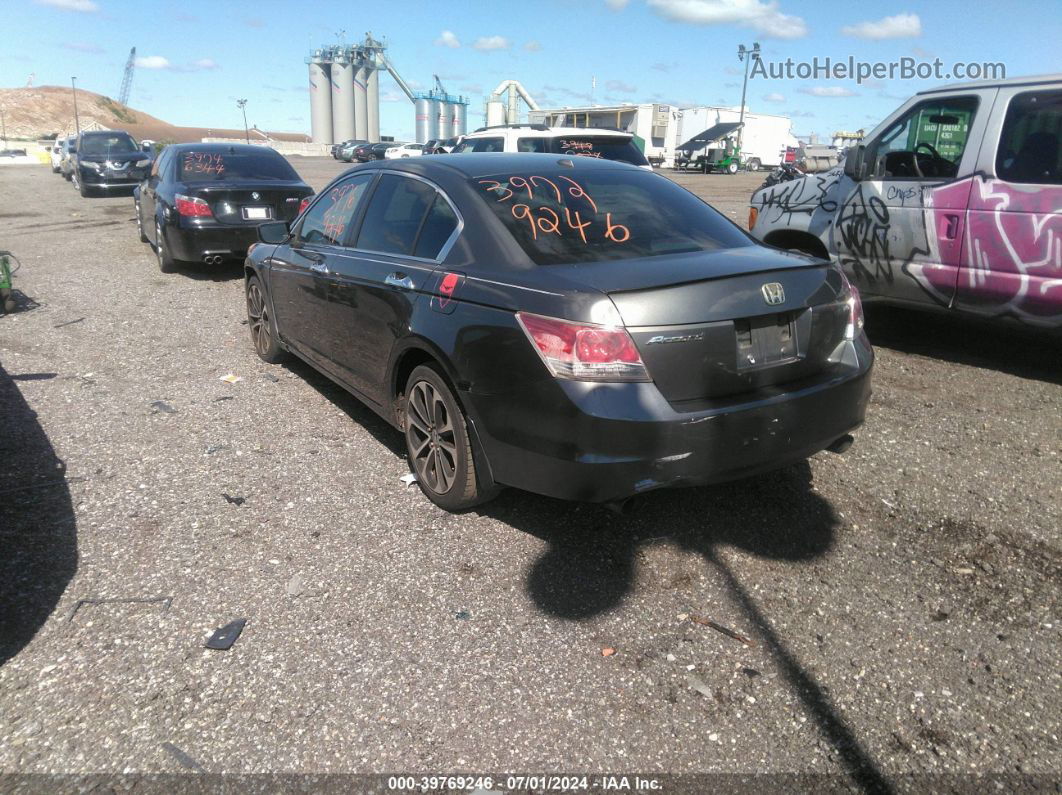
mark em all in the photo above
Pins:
pixel 562 218
pixel 221 166
pixel 608 147
pixel 107 145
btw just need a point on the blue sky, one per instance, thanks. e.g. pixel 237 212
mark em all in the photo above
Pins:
pixel 198 57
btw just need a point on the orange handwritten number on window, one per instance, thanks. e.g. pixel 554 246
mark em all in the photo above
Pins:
pixel 522 184
pixel 496 186
pixel 617 233
pixel 546 225
pixel 551 183
pixel 521 212
pixel 579 225
pixel 577 192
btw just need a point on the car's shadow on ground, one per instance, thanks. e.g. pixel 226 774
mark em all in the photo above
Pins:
pixel 358 412
pixel 1026 353
pixel 590 564
pixel 38 529
pixel 201 272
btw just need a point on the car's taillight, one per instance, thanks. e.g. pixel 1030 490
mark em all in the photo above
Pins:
pixel 753 215
pixel 850 296
pixel 304 204
pixel 584 351
pixel 192 206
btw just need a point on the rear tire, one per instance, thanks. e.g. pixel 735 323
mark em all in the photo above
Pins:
pixel 166 263
pixel 732 168
pixel 754 164
pixel 260 323
pixel 438 443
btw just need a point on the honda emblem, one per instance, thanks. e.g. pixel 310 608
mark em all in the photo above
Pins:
pixel 773 293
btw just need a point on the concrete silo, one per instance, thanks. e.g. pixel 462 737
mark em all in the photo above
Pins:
pixel 442 112
pixel 320 98
pixel 342 96
pixel 422 121
pixel 373 101
pixel 361 102
pixel 460 118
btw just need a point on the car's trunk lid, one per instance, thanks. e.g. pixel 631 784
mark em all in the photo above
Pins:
pixel 251 203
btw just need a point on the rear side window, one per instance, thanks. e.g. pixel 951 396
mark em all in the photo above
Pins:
pixel 606 147
pixel 395 214
pixel 532 145
pixel 482 145
pixel 328 220
pixel 1029 149
pixel 560 218
pixel 439 224
pixel 214 166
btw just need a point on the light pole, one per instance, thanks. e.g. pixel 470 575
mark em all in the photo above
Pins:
pixel 242 105
pixel 753 54
pixel 77 120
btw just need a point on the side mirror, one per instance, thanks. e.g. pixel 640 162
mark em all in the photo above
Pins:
pixel 274 233
pixel 853 162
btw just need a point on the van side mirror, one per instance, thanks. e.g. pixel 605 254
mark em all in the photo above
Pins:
pixel 274 233
pixel 853 162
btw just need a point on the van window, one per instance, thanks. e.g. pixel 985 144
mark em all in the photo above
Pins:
pixel 1029 149
pixel 925 143
pixel 328 221
pixel 395 214
pixel 481 145
pixel 532 144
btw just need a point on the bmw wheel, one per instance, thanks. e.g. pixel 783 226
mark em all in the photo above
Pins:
pixel 437 440
pixel 166 263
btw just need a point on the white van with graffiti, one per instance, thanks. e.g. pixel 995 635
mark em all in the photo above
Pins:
pixel 954 202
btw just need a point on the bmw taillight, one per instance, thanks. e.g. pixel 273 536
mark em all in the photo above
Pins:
pixel 850 296
pixel 192 206
pixel 584 351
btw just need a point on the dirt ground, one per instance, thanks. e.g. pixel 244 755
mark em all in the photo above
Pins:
pixel 899 604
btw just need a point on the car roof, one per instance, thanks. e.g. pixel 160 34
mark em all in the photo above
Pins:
pixel 1009 82
pixel 486 163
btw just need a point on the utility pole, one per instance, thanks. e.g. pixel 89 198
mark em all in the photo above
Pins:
pixel 242 105
pixel 753 54
pixel 77 120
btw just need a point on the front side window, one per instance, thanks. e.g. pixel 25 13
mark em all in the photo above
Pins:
pixel 559 218
pixel 1029 149
pixel 481 145
pixel 328 220
pixel 395 215
pixel 928 142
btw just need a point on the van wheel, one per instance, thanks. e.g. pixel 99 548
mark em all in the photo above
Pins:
pixel 754 164
pixel 437 440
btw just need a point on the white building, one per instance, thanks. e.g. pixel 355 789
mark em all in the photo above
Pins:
pixel 665 127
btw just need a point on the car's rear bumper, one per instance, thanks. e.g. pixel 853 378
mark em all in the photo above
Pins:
pixel 600 442
pixel 196 243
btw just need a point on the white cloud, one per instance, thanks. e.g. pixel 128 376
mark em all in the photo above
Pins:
pixel 488 43
pixel 901 26
pixel 84 6
pixel 620 86
pixel 152 62
pixel 763 17
pixel 828 91
pixel 205 63
pixel 532 46
pixel 617 5
pixel 448 39
pixel 774 97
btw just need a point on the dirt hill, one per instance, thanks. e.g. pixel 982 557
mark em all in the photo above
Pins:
pixel 41 111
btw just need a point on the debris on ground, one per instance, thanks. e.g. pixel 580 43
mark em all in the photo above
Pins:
pixel 607 651
pixel 294 586
pixel 696 683
pixel 408 478
pixel 270 377
pixel 225 636
pixel 223 397
pixel 720 628
pixel 462 615
pixel 183 759
pixel 234 500
pixel 162 407
pixel 230 378
pixel 68 323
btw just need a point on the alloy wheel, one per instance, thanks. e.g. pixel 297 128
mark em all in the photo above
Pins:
pixel 432 442
pixel 258 318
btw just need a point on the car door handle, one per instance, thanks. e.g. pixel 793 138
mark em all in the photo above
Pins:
pixel 399 281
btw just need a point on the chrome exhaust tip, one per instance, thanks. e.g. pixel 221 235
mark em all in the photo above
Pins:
pixel 841 444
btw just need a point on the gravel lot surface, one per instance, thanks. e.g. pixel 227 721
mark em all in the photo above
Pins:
pixel 900 603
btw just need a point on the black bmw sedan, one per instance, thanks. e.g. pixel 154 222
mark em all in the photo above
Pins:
pixel 204 202
pixel 575 327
